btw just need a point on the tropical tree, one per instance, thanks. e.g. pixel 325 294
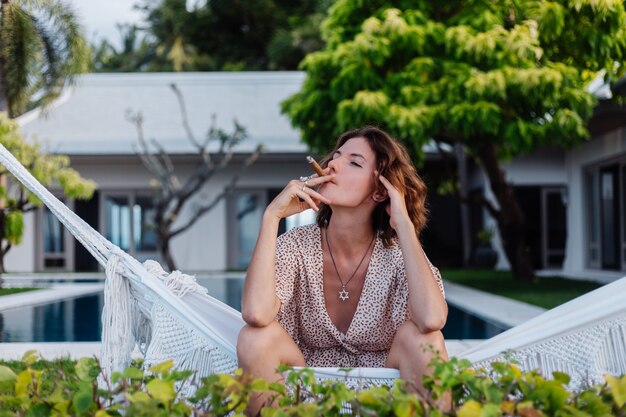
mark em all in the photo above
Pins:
pixel 15 200
pixel 500 78
pixel 229 35
pixel 135 53
pixel 41 49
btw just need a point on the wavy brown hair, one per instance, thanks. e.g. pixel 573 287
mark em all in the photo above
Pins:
pixel 393 162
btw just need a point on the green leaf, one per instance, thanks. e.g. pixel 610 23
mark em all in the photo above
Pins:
pixel 24 380
pixel 617 387
pixel 162 390
pixel 562 377
pixel 490 410
pixel 6 374
pixel 82 401
pixel 138 397
pixel 402 409
pixel 260 385
pixel 162 368
pixel 38 410
pixel 470 409
pixel 87 369
pixel 133 373
pixel 30 357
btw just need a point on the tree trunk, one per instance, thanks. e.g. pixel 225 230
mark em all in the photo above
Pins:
pixel 164 249
pixel 3 248
pixel 511 219
pixel 4 107
pixel 4 99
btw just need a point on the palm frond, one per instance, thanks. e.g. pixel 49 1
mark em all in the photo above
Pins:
pixel 19 50
pixel 50 49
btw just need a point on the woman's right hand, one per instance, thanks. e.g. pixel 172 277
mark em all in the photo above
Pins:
pixel 298 196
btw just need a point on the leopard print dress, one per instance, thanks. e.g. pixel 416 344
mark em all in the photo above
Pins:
pixel 382 307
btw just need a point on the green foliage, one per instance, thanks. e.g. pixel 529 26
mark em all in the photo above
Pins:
pixel 546 292
pixel 41 49
pixel 47 169
pixel 70 388
pixel 15 290
pixel 511 74
pixel 218 35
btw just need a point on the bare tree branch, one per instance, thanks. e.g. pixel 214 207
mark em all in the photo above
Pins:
pixel 227 190
pixel 175 195
pixel 183 112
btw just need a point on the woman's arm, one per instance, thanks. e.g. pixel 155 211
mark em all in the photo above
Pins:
pixel 259 303
pixel 427 306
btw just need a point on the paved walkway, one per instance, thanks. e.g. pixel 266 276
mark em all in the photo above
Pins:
pixel 490 307
pixel 47 295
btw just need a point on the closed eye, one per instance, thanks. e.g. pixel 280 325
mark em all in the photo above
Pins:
pixel 354 163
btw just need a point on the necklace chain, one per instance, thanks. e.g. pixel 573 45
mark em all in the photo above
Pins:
pixel 343 294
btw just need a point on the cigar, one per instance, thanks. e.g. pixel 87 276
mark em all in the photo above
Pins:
pixel 316 167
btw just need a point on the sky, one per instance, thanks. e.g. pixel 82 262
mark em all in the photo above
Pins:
pixel 99 17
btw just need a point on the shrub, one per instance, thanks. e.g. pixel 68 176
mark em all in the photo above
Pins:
pixel 33 387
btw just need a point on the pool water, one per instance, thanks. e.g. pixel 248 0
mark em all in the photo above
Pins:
pixel 78 319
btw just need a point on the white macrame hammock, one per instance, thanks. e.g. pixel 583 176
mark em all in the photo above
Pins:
pixel 170 316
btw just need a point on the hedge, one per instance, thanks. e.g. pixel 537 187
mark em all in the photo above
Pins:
pixel 34 387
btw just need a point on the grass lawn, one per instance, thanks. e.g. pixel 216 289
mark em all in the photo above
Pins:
pixel 543 292
pixel 7 291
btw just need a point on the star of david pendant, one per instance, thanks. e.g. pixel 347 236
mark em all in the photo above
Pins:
pixel 343 294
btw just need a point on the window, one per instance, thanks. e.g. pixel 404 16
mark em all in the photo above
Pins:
pixel 245 212
pixel 128 222
pixel 55 243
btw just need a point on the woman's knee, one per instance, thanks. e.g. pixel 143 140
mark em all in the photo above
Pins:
pixel 259 342
pixel 252 338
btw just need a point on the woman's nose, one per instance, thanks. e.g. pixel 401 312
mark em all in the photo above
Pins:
pixel 333 165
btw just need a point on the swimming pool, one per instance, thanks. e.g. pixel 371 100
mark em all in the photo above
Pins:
pixel 78 319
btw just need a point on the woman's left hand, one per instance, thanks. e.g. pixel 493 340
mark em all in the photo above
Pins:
pixel 396 209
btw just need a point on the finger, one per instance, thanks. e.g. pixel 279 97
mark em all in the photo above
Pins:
pixel 303 194
pixel 386 183
pixel 317 196
pixel 391 189
pixel 320 180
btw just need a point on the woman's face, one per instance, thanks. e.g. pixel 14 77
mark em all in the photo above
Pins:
pixel 353 165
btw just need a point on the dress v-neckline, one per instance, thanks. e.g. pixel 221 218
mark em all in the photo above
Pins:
pixel 320 251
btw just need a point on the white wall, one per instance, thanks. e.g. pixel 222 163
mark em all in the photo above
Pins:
pixel 544 167
pixel 21 258
pixel 595 151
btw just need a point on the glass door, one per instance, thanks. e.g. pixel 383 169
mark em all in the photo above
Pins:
pixel 554 230
pixel 610 217
pixel 56 244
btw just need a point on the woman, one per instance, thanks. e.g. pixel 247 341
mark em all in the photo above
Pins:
pixel 355 289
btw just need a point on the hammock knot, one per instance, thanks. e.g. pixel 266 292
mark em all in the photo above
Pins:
pixel 177 282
